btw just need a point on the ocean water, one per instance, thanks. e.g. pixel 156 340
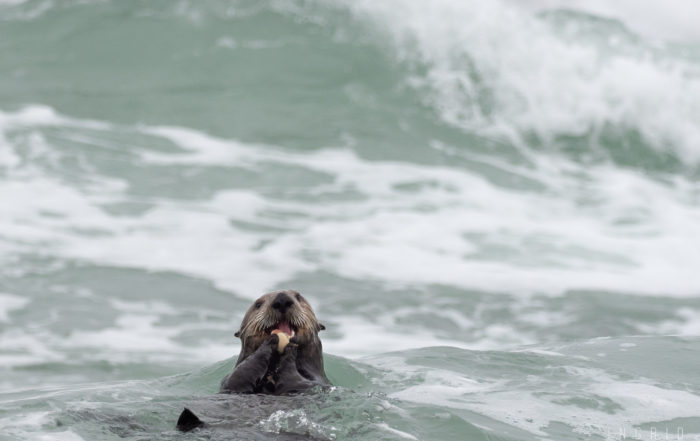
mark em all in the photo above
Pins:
pixel 494 208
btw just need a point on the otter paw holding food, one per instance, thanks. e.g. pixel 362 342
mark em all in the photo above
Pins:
pixel 283 340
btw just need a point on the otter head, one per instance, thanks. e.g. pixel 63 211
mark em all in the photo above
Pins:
pixel 286 311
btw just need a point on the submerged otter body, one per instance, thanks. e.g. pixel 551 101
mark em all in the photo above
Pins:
pixel 267 365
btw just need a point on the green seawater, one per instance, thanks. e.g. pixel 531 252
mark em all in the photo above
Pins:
pixel 494 211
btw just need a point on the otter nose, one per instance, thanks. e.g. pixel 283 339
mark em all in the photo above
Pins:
pixel 282 302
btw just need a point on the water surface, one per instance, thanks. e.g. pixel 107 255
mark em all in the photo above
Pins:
pixel 493 207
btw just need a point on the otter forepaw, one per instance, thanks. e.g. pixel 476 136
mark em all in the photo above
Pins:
pixel 290 352
pixel 273 341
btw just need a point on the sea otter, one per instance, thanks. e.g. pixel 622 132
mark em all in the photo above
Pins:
pixel 267 363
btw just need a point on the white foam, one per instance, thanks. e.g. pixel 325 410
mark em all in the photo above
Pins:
pixel 24 426
pixel 67 435
pixel 638 235
pixel 21 348
pixel 400 433
pixel 687 322
pixel 295 421
pixel 460 231
pixel 41 115
pixel 538 81
pixel 11 2
pixel 368 238
pixel 534 403
pixel 132 334
pixel 10 303
pixel 671 19
pixel 138 334
pixel 202 148
pixel 360 337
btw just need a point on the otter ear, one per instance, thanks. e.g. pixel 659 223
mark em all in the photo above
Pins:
pixel 237 334
pixel 321 327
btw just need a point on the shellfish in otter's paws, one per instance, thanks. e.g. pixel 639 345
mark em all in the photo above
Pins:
pixel 284 340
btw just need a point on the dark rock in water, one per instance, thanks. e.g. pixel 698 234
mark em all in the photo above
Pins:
pixel 188 421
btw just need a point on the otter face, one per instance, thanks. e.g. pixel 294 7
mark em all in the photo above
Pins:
pixel 286 311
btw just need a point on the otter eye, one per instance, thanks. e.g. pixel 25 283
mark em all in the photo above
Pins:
pixel 258 304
